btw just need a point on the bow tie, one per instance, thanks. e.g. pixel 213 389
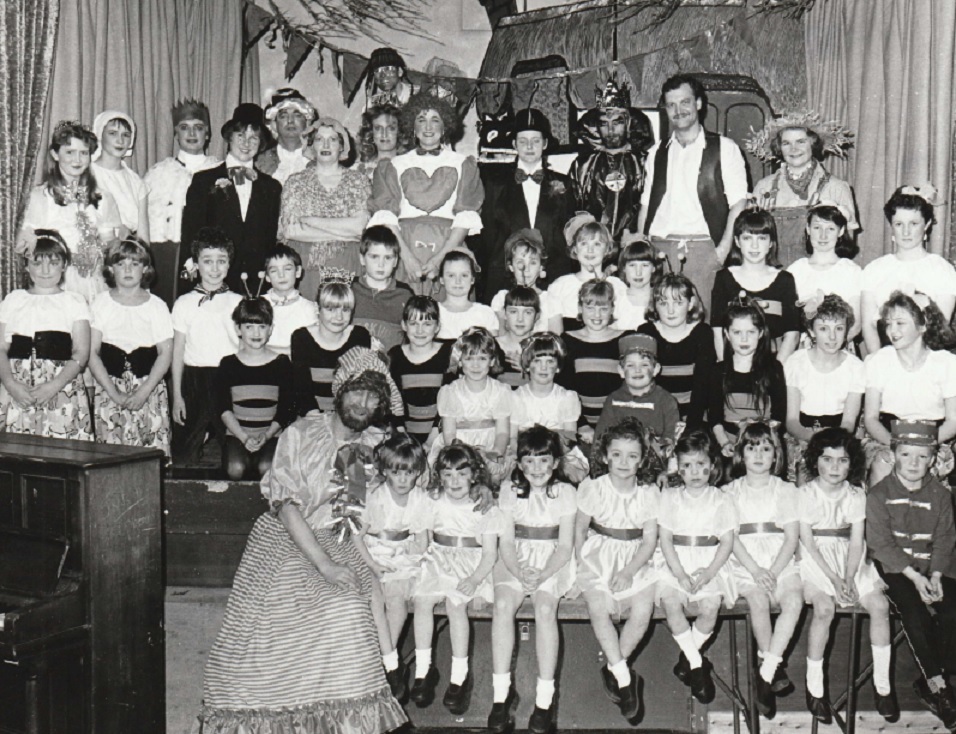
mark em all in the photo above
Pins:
pixel 521 176
pixel 240 174
pixel 422 151
pixel 209 295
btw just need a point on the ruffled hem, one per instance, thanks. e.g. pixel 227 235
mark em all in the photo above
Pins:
pixel 372 714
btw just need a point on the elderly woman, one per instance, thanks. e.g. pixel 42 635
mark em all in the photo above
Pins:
pixel 429 196
pixel 70 202
pixel 378 137
pixel 324 208
pixel 298 649
pixel 798 142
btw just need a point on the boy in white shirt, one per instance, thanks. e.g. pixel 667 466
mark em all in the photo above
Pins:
pixel 291 310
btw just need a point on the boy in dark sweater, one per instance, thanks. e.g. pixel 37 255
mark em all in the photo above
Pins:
pixel 379 298
pixel 912 539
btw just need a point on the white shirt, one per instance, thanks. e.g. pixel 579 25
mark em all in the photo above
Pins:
pixel 290 161
pixel 455 323
pixel 916 395
pixel 244 191
pixel 532 190
pixel 680 211
pixel 209 330
pixel 931 274
pixel 168 182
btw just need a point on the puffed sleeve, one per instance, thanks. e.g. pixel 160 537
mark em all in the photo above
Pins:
pixel 788 509
pixel 302 466
pixel 503 405
pixel 424 519
pixel 667 508
pixel 161 323
pixel 470 196
pixel 589 497
pixel 854 508
pixel 948 386
pixel 570 406
pixel 725 518
pixel 566 500
pixel 490 523
pixel 7 309
pixel 449 404
pixel 78 309
pixel 651 497
pixel 507 499
pixel 808 509
pixel 385 201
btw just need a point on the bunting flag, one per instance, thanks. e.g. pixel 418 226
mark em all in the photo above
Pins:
pixel 256 22
pixel 296 52
pixel 353 68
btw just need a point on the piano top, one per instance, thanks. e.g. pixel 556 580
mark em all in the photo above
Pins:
pixel 61 451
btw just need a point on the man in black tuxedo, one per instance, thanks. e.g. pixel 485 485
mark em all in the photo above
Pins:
pixel 237 198
pixel 524 195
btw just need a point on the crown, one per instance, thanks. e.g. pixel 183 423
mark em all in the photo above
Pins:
pixel 612 95
pixel 335 275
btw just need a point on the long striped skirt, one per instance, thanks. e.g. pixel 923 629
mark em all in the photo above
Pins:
pixel 296 654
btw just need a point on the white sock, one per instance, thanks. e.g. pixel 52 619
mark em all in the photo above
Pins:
pixel 500 685
pixel 685 640
pixel 390 660
pixel 544 694
pixel 815 677
pixel 769 665
pixel 459 670
pixel 621 673
pixel 699 637
pixel 881 668
pixel 423 661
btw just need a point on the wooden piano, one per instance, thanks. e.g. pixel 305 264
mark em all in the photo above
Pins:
pixel 81 588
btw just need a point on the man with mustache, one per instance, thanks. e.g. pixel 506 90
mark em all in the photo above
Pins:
pixel 697 185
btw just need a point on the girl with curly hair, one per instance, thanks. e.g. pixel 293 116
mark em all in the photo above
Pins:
pixel 430 195
pixel 914 378
pixel 456 569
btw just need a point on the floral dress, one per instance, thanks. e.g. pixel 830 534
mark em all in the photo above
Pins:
pixel 304 196
pixel 38 330
pixel 130 337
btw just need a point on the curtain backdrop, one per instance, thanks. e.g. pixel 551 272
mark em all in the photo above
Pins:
pixel 141 56
pixel 27 40
pixel 886 69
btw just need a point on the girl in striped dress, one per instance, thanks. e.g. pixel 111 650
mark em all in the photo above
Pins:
pixel 685 343
pixel 591 368
pixel 316 349
pixel 254 394
pixel 420 367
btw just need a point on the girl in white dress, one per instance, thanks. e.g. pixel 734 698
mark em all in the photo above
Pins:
pixel 391 549
pixel 116 133
pixel 697 524
pixel 825 383
pixel 475 408
pixel 44 348
pixel 457 569
pixel 457 313
pixel 763 565
pixel 70 202
pixel 536 560
pixel 640 266
pixel 542 402
pixel 833 563
pixel 830 268
pixel 131 351
pixel 615 538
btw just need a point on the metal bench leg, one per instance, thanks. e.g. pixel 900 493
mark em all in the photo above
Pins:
pixel 852 670
pixel 753 722
pixel 734 673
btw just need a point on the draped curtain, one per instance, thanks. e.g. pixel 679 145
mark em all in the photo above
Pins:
pixel 886 69
pixel 141 57
pixel 27 40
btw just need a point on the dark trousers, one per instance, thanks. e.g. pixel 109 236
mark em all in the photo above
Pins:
pixel 199 395
pixel 239 463
pixel 930 628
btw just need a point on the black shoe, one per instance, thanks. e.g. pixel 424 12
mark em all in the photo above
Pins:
pixel 542 720
pixel 423 689
pixel 500 719
pixel 682 670
pixel 766 701
pixel 941 704
pixel 781 684
pixel 819 707
pixel 398 682
pixel 701 684
pixel 457 698
pixel 610 685
pixel 630 702
pixel 887 707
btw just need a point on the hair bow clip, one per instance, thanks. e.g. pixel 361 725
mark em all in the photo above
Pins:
pixel 927 192
pixel 839 207
pixel 190 270
pixel 26 243
pixel 921 300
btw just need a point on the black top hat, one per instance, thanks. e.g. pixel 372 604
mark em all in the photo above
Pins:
pixel 247 113
pixel 534 120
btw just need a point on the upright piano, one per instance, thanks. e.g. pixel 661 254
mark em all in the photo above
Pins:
pixel 81 588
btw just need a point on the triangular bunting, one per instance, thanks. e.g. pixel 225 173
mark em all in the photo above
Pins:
pixel 295 54
pixel 353 69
